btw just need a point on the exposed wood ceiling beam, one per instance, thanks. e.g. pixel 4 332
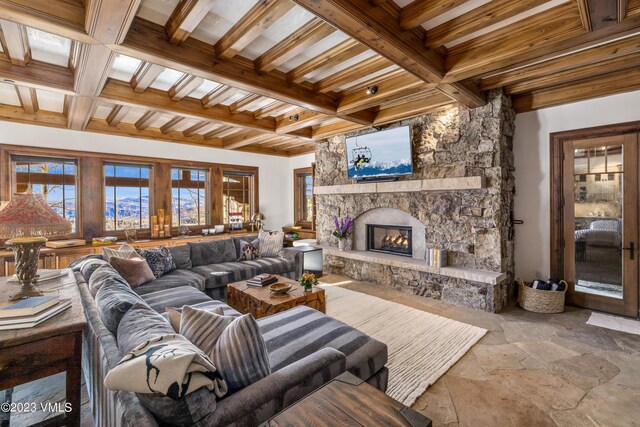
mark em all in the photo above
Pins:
pixel 362 69
pixel 108 21
pixel 601 13
pixel 246 103
pixel 39 75
pixel 200 127
pixel 585 19
pixel 301 39
pixel 607 84
pixel 380 30
pixel 118 112
pixel 125 129
pixel 219 95
pixel 17 114
pixel 171 125
pixel 259 18
pixel 184 86
pixel 144 76
pixel 146 119
pixel 329 130
pixel 327 60
pixel 272 110
pixel 221 132
pixel 549 68
pixel 420 11
pixel 631 63
pixel 28 99
pixel 483 16
pixel 185 18
pixel 16 42
pixel 242 140
pixel 623 9
pixel 424 104
pixel 304 119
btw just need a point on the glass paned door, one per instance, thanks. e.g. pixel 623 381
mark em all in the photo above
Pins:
pixel 601 223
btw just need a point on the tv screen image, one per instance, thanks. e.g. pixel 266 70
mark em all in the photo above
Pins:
pixel 380 154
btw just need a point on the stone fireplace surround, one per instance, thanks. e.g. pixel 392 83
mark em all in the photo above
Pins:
pixel 453 152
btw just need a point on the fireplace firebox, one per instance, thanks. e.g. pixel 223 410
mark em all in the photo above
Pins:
pixel 390 239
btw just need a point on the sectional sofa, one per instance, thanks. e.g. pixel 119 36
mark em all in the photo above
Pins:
pixel 306 348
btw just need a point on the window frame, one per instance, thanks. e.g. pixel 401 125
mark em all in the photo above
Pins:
pixel 253 196
pixel 208 195
pixel 13 185
pixel 141 232
pixel 298 194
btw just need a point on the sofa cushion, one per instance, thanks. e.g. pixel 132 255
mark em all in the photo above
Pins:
pixel 89 266
pixel 124 251
pixel 140 324
pixel 212 252
pixel 181 256
pixel 159 259
pixel 175 279
pixel 211 305
pixel 238 239
pixel 135 271
pixel 105 273
pixel 220 275
pixel 203 327
pixel 272 265
pixel 248 250
pixel 114 298
pixel 271 243
pixel 300 331
pixel 174 297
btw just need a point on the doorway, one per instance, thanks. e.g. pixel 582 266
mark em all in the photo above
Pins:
pixel 596 225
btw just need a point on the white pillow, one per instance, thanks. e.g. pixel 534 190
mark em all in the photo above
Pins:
pixel 270 244
pixel 125 251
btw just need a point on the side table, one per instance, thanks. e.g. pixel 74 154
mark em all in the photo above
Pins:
pixel 53 346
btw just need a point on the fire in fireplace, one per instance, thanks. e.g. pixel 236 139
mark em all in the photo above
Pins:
pixel 391 239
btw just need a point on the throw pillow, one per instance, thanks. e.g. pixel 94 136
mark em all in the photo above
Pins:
pixel 159 259
pixel 125 251
pixel 203 327
pixel 213 252
pixel 249 250
pixel 135 271
pixel 166 364
pixel 114 299
pixel 271 244
pixel 175 314
pixel 181 256
pixel 240 353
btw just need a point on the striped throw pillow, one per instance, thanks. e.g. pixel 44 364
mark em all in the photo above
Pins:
pixel 241 354
pixel 125 251
pixel 203 327
pixel 175 315
pixel 270 244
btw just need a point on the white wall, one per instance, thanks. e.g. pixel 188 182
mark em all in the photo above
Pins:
pixel 297 162
pixel 532 151
pixel 276 199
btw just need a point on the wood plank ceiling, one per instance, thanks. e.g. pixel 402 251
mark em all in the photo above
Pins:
pixel 273 76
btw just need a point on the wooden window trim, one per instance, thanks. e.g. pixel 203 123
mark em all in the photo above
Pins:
pixel 557 140
pixel 256 188
pixel 297 197
pixel 208 192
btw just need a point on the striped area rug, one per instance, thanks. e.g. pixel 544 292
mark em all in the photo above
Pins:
pixel 422 346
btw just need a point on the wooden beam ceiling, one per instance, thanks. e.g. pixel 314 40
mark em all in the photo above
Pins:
pixel 420 11
pixel 15 42
pixel 185 18
pixel 28 99
pixel 144 76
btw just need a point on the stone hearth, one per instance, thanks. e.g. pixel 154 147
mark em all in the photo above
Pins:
pixel 460 197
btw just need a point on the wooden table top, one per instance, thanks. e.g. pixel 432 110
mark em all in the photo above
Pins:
pixel 264 294
pixel 70 320
pixel 348 401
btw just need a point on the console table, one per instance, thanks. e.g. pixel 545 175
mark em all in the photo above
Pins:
pixel 53 346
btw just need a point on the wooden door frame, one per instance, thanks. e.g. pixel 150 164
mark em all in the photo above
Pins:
pixel 557 141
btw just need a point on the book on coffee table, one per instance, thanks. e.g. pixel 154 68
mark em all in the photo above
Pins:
pixel 23 322
pixel 262 280
pixel 28 307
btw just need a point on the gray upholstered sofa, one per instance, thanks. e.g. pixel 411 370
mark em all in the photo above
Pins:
pixel 306 349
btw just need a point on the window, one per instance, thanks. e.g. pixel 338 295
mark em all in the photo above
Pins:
pixel 304 202
pixel 55 178
pixel 237 193
pixel 188 197
pixel 126 196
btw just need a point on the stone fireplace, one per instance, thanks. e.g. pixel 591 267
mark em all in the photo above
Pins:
pixel 459 198
pixel 389 239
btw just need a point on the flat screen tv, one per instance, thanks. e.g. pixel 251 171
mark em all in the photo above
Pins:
pixel 384 154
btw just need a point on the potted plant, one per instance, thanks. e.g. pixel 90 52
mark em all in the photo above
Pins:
pixel 343 228
pixel 308 281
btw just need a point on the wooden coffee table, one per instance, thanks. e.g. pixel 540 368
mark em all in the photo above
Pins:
pixel 348 401
pixel 260 302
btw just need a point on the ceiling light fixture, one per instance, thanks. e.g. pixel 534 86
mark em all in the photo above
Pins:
pixel 294 118
pixel 372 90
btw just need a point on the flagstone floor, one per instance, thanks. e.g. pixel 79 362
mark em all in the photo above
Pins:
pixel 529 370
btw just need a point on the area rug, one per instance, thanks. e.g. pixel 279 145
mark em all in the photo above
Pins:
pixel 616 323
pixel 422 346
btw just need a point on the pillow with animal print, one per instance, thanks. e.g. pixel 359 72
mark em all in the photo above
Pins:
pixel 248 250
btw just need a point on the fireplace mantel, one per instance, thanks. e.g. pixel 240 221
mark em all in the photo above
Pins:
pixel 410 186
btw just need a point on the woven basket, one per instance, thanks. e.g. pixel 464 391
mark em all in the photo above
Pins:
pixel 540 301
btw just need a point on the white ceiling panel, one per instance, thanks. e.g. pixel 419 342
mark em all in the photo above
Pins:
pixel 160 120
pixel 8 95
pixel 124 67
pixel 47 47
pixel 157 11
pixel 289 23
pixel 234 98
pixel 206 87
pixel 102 111
pixel 223 15
pixel 186 124
pixel 133 115
pixel 369 77
pixel 166 79
pixel 50 101
pixel 316 76
pixel 322 46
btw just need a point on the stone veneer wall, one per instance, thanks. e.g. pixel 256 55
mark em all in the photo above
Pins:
pixel 475 226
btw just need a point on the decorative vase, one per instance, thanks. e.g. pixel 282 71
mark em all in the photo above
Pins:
pixel 342 244
pixel 307 289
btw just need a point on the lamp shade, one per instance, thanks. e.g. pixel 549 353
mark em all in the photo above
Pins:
pixel 257 217
pixel 29 215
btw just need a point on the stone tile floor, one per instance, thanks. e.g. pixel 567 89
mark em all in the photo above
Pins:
pixel 529 370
